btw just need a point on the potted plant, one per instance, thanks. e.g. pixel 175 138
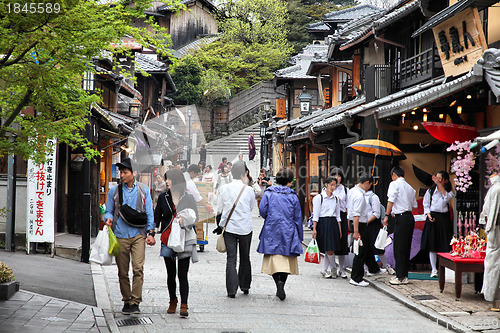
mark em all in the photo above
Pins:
pixel 8 285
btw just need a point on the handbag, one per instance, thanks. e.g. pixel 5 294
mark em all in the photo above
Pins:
pixel 100 248
pixel 177 237
pixel 221 243
pixel 312 252
pixel 381 239
pixel 131 216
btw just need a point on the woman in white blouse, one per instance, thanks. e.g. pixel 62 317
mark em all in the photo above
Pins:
pixel 438 229
pixel 327 226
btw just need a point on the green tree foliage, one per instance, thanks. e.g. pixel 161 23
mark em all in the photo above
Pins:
pixel 253 43
pixel 43 55
pixel 304 12
pixel 187 74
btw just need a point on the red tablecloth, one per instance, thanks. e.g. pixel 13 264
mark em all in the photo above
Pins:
pixel 460 259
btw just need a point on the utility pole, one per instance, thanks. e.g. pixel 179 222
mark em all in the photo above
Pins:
pixel 10 232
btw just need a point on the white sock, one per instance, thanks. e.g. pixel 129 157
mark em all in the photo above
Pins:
pixel 383 259
pixel 341 262
pixel 433 260
pixel 333 264
pixel 326 262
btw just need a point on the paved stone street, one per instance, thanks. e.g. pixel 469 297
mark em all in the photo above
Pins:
pixel 313 304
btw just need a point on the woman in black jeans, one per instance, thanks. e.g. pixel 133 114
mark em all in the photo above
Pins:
pixel 177 206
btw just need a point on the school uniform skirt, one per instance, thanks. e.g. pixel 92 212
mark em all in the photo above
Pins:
pixel 373 230
pixel 328 234
pixel 437 235
pixel 344 247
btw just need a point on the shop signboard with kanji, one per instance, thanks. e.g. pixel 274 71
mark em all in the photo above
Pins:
pixel 460 41
pixel 41 198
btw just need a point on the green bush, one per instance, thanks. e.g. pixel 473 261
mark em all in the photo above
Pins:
pixel 6 274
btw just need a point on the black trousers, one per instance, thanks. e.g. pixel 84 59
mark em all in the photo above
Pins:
pixel 403 234
pixel 243 276
pixel 365 256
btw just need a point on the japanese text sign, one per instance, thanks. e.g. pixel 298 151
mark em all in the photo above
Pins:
pixel 41 198
pixel 460 41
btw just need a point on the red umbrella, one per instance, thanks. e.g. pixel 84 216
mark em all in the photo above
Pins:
pixel 450 133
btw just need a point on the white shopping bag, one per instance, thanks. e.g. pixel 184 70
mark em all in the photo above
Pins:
pixel 100 248
pixel 177 237
pixel 355 246
pixel 380 242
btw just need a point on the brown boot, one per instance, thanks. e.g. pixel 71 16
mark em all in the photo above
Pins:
pixel 184 310
pixel 172 306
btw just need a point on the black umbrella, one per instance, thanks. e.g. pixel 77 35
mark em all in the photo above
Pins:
pixel 424 177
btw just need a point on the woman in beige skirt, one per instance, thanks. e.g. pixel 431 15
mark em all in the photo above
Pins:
pixel 282 233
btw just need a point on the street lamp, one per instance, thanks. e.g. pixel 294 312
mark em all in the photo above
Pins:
pixel 134 108
pixel 305 102
pixel 189 136
pixel 263 143
pixel 267 107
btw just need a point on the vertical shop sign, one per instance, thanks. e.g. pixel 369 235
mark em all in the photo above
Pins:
pixel 41 198
pixel 460 41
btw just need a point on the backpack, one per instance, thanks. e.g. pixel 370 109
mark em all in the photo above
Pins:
pixel 310 220
pixel 382 208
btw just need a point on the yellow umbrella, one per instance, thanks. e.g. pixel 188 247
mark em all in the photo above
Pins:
pixel 376 147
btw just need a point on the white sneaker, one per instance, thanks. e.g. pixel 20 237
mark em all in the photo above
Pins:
pixel 342 274
pixel 333 275
pixel 434 274
pixel 390 270
pixel 326 274
pixel 362 283
pixel 381 271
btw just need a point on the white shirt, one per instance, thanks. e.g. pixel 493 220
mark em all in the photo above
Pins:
pixel 241 220
pixel 340 193
pixel 209 177
pixel 329 208
pixel 439 202
pixel 402 195
pixel 191 188
pixel 375 203
pixel 358 205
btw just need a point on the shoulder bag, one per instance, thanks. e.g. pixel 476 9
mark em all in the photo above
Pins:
pixel 131 216
pixel 221 243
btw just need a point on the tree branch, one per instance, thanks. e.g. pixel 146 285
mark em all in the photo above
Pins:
pixel 8 63
pixel 16 112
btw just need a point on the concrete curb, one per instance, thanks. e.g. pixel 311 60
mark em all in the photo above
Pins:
pixel 102 296
pixel 424 311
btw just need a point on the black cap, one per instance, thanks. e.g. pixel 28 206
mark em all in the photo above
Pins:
pixel 126 163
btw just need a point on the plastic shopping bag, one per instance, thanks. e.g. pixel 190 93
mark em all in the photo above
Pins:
pixel 312 252
pixel 177 237
pixel 380 242
pixel 114 246
pixel 100 248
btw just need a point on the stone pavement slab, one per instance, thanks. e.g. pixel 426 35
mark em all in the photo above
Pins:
pixel 313 303
pixel 30 312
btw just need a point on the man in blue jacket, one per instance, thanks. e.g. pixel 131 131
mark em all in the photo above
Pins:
pixel 132 239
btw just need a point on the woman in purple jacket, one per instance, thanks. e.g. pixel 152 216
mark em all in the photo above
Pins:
pixel 282 233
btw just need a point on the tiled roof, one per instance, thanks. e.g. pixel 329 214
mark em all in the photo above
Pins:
pixel 362 28
pixel 301 62
pixel 194 46
pixel 349 14
pixel 148 64
pixel 335 115
pixel 450 11
pixel 430 95
pixel 318 26
pixel 396 15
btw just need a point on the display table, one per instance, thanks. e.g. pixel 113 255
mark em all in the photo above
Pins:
pixel 459 265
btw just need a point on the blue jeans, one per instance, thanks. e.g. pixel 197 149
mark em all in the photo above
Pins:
pixel 243 277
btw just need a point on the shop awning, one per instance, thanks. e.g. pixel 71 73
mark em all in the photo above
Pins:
pixel 424 97
pixel 450 133
pixel 452 11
